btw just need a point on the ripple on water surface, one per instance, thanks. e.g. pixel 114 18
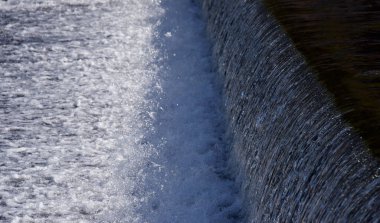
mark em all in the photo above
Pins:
pixel 110 111
pixel 65 71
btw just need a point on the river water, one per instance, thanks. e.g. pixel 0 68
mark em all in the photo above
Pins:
pixel 341 41
pixel 297 159
pixel 110 112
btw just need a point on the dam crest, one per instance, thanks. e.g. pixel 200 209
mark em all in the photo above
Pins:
pixel 295 157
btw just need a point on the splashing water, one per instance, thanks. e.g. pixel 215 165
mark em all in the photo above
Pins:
pixel 110 111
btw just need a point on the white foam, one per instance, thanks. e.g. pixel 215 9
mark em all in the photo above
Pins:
pixel 120 118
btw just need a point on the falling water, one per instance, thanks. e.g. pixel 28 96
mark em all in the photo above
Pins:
pixel 296 159
pixel 341 41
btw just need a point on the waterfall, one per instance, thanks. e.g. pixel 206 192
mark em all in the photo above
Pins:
pixel 295 157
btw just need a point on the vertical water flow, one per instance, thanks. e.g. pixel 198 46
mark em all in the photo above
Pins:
pixel 296 159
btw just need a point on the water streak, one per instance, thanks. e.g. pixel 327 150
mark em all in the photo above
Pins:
pixel 341 41
pixel 297 160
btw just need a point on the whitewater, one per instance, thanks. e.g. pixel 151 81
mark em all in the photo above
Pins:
pixel 111 111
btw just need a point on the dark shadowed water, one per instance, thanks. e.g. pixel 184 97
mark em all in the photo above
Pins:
pixel 341 41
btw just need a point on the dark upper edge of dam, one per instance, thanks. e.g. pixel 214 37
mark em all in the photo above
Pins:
pixel 296 157
pixel 341 42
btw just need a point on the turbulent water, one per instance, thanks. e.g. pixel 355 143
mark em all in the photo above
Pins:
pixel 110 111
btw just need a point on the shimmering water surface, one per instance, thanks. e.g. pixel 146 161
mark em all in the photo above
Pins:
pixel 110 112
pixel 341 40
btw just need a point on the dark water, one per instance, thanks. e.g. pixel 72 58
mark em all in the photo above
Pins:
pixel 296 157
pixel 341 41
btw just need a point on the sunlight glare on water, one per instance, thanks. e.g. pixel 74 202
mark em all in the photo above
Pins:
pixel 105 118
